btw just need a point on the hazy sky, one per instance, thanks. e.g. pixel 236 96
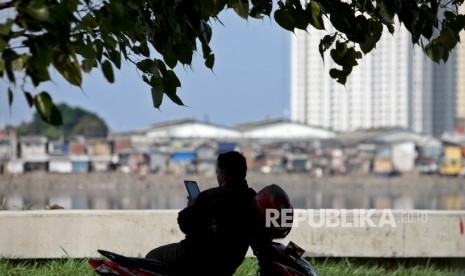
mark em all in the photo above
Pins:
pixel 250 82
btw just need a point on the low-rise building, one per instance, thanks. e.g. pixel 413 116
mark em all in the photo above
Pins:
pixel 60 164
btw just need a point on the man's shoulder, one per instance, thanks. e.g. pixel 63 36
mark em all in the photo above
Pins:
pixel 225 191
pixel 214 190
pixel 251 191
pixel 211 192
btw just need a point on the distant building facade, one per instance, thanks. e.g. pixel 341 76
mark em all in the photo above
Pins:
pixel 394 86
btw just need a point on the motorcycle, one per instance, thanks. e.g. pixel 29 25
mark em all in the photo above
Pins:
pixel 274 259
pixel 279 261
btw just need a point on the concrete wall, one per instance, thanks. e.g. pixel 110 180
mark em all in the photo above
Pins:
pixel 58 233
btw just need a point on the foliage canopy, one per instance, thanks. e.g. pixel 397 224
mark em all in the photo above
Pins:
pixel 76 121
pixel 78 36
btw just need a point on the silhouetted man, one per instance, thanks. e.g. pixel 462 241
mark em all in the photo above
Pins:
pixel 217 225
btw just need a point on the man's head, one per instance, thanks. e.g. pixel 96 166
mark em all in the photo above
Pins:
pixel 230 166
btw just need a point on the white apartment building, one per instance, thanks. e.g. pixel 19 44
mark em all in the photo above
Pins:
pixel 460 119
pixel 395 85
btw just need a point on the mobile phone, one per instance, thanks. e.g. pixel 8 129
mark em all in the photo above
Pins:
pixel 192 188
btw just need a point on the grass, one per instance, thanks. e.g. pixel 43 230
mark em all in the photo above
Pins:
pixel 371 267
pixel 326 267
pixel 58 267
pixel 380 267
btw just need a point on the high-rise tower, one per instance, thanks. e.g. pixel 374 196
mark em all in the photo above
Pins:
pixel 460 115
pixel 395 85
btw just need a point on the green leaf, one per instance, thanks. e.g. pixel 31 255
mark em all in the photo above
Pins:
pixel 284 20
pixel 325 44
pixel 241 7
pixel 183 53
pixel 109 43
pixel 341 14
pixel 350 58
pixel 435 51
pixel 98 48
pixel 448 38
pixel 42 52
pixel 38 74
pixel 449 15
pixel 148 66
pixel 205 32
pixel 315 19
pixel 217 7
pixel 172 79
pixel 144 49
pixel 38 10
pixel 174 98
pixel 47 110
pixel 134 4
pixel 89 21
pixel 19 63
pixel 70 5
pixel 29 98
pixel 170 83
pixel 161 66
pixel 145 65
pixel 87 65
pixel 458 23
pixel 108 71
pixel 409 15
pixel 72 73
pixel 145 78
pixel 157 96
pixel 300 17
pixel 5 28
pixel 70 70
pixel 339 53
pixel 260 8
pixel 372 34
pixel 2 44
pixel 210 61
pixel 10 97
pixel 86 50
pixel 339 75
pixel 170 60
pixel 445 56
pixel 156 82
pixel 386 11
pixel 206 50
pixel 426 28
pixel 116 58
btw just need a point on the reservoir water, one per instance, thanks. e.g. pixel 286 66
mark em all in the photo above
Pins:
pixel 115 190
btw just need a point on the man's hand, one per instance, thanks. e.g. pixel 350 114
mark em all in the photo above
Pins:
pixel 190 201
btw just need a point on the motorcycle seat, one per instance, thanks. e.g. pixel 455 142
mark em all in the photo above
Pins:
pixel 133 262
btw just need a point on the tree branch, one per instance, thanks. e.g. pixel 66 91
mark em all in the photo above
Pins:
pixel 6 5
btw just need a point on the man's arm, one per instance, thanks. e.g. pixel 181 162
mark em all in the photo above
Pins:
pixel 187 218
pixel 191 218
